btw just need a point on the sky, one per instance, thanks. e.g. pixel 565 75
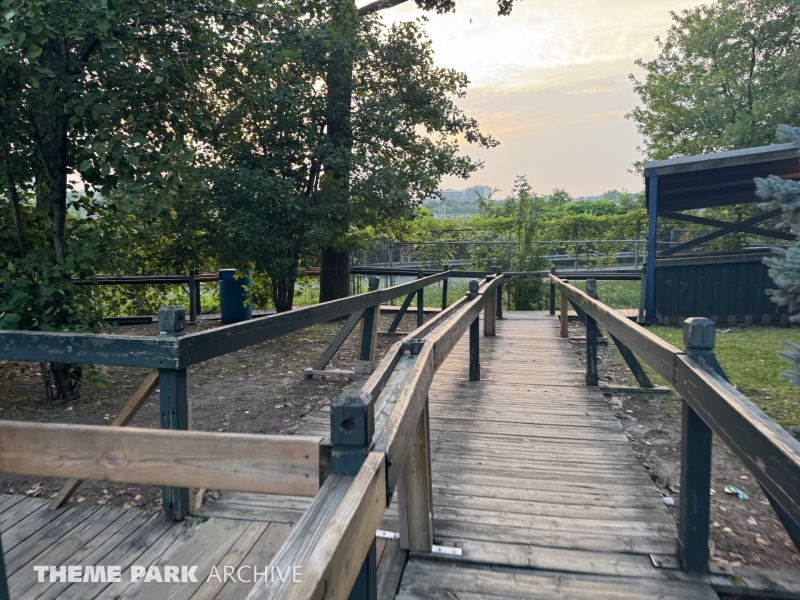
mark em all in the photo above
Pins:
pixel 550 83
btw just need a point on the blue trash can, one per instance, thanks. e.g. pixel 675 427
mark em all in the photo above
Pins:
pixel 233 294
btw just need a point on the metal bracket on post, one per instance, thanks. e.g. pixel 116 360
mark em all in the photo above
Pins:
pixel 176 412
pixel 696 439
pixel 369 334
pixel 352 429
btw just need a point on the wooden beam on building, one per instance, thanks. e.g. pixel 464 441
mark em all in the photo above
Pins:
pixel 720 232
pixel 733 227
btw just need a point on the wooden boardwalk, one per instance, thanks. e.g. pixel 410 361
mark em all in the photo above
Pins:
pixel 533 479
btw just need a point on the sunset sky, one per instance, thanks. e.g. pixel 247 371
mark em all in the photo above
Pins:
pixel 550 82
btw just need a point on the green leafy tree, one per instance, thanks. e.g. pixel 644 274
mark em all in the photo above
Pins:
pixel 727 74
pixel 100 96
pixel 337 191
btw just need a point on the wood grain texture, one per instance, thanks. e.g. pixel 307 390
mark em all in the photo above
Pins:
pixel 332 539
pixel 124 417
pixel 250 463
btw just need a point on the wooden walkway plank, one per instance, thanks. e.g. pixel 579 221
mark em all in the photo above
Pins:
pixel 440 581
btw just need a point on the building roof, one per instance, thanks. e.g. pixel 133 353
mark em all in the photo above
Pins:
pixel 721 178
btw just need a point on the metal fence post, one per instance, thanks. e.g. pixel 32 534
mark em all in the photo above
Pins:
pixel 591 339
pixel 696 442
pixel 192 296
pixel 474 339
pixel 444 288
pixel 553 294
pixel 369 334
pixel 176 412
pixel 352 429
pixel 420 301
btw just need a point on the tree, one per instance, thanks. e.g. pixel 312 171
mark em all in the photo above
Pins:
pixel 345 18
pixel 726 75
pixel 107 93
pixel 784 267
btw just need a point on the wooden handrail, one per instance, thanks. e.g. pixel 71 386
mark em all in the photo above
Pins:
pixel 171 352
pixel 331 541
pixel 771 454
pixel 266 464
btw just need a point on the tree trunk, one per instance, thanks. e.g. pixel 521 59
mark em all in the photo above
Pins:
pixel 66 380
pixel 334 280
pixel 283 292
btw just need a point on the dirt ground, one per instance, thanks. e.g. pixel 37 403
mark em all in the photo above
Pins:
pixel 260 389
pixel 743 532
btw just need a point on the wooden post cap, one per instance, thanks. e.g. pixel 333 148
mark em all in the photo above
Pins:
pixel 352 419
pixel 473 288
pixel 171 320
pixel 698 333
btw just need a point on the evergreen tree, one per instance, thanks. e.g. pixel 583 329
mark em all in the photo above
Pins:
pixel 784 267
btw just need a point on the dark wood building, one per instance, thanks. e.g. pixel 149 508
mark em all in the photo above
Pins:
pixel 726 287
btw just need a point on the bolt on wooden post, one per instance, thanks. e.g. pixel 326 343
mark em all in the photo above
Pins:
pixel 474 339
pixel 176 411
pixel 352 429
pixel 696 440
pixel 369 334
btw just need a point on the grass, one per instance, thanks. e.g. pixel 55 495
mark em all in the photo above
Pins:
pixel 616 294
pixel 750 359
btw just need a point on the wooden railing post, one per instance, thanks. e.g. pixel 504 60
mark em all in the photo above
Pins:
pixel 414 491
pixel 444 288
pixel 3 581
pixel 552 293
pixel 474 339
pixel 490 310
pixel 564 314
pixel 369 334
pixel 499 294
pixel 352 429
pixel 420 301
pixel 192 296
pixel 176 412
pixel 591 339
pixel 696 441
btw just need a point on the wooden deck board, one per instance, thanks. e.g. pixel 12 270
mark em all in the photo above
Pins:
pixel 533 478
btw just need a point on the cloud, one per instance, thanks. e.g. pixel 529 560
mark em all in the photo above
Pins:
pixel 551 83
